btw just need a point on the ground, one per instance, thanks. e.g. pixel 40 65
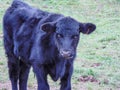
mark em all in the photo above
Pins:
pixel 97 65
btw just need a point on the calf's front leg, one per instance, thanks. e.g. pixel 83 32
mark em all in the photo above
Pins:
pixel 41 75
pixel 23 76
pixel 66 79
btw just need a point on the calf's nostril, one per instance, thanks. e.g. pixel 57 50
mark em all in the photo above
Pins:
pixel 66 53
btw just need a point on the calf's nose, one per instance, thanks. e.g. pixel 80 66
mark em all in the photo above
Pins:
pixel 66 53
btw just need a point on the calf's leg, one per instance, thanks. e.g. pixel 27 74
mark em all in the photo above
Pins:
pixel 41 75
pixel 13 65
pixel 66 79
pixel 23 77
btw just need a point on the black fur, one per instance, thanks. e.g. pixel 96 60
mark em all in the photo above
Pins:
pixel 45 41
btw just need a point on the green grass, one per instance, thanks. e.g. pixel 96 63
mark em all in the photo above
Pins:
pixel 103 46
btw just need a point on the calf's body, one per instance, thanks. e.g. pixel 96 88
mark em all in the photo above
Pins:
pixel 43 40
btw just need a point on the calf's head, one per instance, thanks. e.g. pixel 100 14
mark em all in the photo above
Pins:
pixel 66 33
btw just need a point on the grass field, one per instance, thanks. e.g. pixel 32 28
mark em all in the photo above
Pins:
pixel 97 65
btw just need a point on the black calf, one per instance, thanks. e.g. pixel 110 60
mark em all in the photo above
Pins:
pixel 45 41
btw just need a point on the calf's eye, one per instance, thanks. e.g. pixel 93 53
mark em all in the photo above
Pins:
pixel 75 37
pixel 59 36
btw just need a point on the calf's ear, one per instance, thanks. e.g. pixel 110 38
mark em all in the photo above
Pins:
pixel 87 28
pixel 48 27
